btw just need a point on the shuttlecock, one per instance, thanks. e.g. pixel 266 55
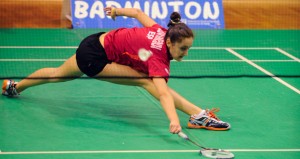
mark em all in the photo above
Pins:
pixel 144 54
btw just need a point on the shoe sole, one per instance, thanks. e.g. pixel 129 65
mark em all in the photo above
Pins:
pixel 4 84
pixel 190 126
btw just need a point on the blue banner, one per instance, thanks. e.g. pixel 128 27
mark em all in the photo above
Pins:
pixel 205 14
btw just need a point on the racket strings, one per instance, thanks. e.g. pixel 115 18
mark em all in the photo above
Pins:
pixel 217 153
pixel 209 152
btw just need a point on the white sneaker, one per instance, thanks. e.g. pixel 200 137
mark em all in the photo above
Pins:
pixel 208 121
pixel 9 88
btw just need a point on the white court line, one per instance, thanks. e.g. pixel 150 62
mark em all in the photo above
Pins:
pixel 288 55
pixel 38 47
pixel 140 151
pixel 57 60
pixel 32 60
pixel 237 60
pixel 263 70
pixel 193 48
pixel 236 48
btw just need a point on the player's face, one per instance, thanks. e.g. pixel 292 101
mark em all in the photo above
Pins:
pixel 179 50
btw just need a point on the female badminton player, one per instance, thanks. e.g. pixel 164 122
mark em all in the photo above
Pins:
pixel 143 53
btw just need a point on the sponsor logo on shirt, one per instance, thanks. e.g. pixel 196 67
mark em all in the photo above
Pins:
pixel 150 35
pixel 134 57
pixel 167 71
pixel 158 41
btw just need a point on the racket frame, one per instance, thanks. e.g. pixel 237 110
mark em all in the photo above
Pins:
pixel 228 153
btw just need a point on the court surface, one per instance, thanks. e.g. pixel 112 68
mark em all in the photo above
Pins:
pixel 252 76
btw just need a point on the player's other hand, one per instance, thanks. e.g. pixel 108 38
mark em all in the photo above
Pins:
pixel 111 11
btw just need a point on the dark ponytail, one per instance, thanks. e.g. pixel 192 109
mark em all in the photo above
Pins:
pixel 174 19
pixel 177 30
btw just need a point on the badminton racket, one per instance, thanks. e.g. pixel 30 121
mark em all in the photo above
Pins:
pixel 209 152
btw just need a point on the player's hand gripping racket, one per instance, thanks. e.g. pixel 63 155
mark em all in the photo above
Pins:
pixel 209 152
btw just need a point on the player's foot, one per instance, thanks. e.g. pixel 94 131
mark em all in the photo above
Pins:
pixel 9 88
pixel 207 120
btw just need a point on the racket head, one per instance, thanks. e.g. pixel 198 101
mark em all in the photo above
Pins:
pixel 217 153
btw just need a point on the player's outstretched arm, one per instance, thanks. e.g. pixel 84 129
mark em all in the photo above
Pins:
pixel 138 14
pixel 167 103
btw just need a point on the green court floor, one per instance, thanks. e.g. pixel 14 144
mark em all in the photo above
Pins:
pixel 253 76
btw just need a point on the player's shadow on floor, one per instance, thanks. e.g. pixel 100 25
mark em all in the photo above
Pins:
pixel 102 114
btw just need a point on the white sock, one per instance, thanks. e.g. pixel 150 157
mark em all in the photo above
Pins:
pixel 15 92
pixel 197 116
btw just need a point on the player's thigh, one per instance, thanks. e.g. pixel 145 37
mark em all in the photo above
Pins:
pixel 122 74
pixel 69 69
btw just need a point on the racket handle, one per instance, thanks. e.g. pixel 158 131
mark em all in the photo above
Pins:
pixel 183 135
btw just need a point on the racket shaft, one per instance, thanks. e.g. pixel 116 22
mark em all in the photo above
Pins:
pixel 184 136
pixel 196 144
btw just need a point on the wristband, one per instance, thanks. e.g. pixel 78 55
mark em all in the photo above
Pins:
pixel 113 13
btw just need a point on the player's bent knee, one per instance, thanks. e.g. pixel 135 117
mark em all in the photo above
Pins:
pixel 146 84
